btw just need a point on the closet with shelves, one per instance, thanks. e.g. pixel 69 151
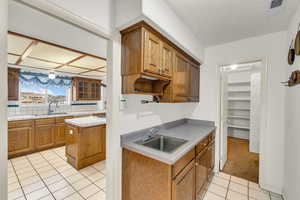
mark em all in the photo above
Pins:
pixel 242 99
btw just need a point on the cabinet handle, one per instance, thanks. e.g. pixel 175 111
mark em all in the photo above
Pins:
pixel 197 164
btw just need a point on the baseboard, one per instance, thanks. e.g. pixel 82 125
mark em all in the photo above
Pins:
pixel 271 188
pixel 284 196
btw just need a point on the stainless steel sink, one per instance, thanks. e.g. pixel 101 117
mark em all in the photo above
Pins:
pixel 163 143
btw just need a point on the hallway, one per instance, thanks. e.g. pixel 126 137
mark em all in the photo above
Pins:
pixel 241 162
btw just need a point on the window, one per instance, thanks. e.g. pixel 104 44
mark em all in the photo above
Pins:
pixel 36 94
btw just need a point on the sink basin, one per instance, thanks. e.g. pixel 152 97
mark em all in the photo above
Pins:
pixel 163 143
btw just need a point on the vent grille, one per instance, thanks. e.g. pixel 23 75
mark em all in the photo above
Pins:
pixel 276 3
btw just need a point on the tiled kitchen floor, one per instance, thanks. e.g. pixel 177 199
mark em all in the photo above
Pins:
pixel 47 176
pixel 224 186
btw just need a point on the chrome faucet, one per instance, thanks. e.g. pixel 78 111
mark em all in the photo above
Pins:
pixel 49 106
pixel 152 133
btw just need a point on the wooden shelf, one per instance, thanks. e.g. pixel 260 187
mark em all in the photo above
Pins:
pixel 239 99
pixel 238 127
pixel 239 83
pixel 238 91
pixel 247 109
pixel 239 117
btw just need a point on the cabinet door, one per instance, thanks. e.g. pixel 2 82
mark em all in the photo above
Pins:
pixel 13 84
pixel 181 79
pixel 20 140
pixel 60 135
pixel 194 83
pixel 152 53
pixel 183 187
pixel 211 161
pixel 45 136
pixel 167 59
pixel 201 171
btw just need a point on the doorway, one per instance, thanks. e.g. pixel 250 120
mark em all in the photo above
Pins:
pixel 241 92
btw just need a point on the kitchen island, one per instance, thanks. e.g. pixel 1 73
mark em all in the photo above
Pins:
pixel 85 141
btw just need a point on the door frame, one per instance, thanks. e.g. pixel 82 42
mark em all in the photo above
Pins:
pixel 113 151
pixel 263 120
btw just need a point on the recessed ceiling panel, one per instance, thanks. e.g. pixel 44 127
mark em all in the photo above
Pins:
pixel 17 44
pixel 94 73
pixel 11 59
pixel 70 69
pixel 38 64
pixel 53 53
pixel 89 62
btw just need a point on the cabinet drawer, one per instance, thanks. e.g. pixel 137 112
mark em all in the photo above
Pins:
pixel 62 119
pixel 100 114
pixel 184 161
pixel 20 124
pixel 44 121
pixel 202 144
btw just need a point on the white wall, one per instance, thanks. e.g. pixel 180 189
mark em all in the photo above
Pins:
pixel 292 136
pixel 25 20
pixel 272 48
pixel 139 116
pixel 95 11
pixel 3 99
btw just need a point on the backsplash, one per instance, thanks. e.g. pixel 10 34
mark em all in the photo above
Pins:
pixel 15 109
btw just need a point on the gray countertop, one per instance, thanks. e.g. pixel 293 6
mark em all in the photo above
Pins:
pixel 191 130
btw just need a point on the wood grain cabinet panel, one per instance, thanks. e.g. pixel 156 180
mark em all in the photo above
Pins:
pixel 201 172
pixel 152 52
pixel 183 187
pixel 167 56
pixel 60 135
pixel 194 83
pixel 85 146
pixel 181 79
pixel 84 89
pixel 44 136
pixel 13 84
pixel 20 141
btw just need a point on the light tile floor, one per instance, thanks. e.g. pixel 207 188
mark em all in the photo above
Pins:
pixel 47 176
pixel 224 186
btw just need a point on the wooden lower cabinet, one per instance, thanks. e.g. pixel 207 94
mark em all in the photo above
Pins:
pixel 201 173
pixel 183 186
pixel 21 141
pixel 145 178
pixel 60 136
pixel 44 136
pixel 85 146
pixel 28 136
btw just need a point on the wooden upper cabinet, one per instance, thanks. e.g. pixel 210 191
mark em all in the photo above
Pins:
pixel 149 58
pixel 167 59
pixel 181 79
pixel 13 84
pixel 86 89
pixel 152 53
pixel 194 83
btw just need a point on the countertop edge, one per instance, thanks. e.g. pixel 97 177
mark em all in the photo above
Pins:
pixel 54 116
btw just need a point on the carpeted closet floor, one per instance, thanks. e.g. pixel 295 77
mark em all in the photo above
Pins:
pixel 241 162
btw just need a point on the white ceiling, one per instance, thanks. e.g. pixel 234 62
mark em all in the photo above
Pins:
pixel 221 21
